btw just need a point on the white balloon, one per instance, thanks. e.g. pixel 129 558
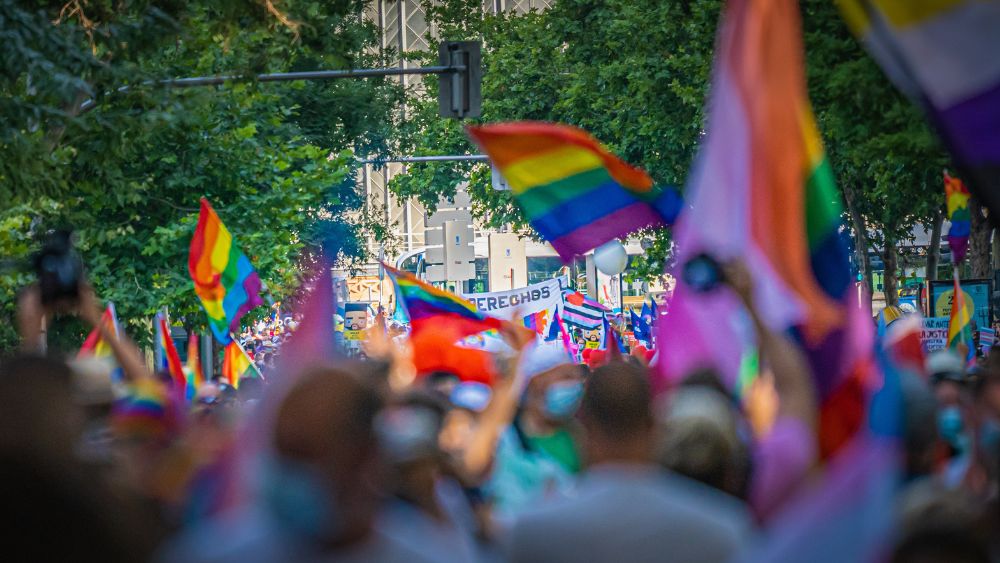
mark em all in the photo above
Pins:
pixel 611 258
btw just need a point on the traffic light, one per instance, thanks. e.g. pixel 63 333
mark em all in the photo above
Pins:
pixel 459 91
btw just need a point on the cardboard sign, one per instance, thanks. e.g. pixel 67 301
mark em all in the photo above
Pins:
pixel 934 335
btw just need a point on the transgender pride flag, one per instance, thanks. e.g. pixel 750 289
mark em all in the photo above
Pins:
pixel 763 191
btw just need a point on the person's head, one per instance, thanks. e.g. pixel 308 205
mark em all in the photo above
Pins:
pixel 468 400
pixel 408 432
pixel 554 388
pixel 322 481
pixel 251 389
pixel 39 416
pixel 947 376
pixel 441 382
pixel 699 438
pixel 920 428
pixel 617 414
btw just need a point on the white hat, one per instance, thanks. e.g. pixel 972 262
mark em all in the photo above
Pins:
pixel 540 358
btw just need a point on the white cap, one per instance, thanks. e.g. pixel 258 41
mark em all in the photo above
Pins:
pixel 945 363
pixel 540 358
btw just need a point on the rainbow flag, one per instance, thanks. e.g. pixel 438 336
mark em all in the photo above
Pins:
pixel 236 365
pixel 145 411
pixel 192 370
pixel 943 54
pixel 573 191
pixel 95 346
pixel 960 322
pixel 957 199
pixel 224 279
pixel 763 191
pixel 427 305
pixel 537 321
pixel 170 361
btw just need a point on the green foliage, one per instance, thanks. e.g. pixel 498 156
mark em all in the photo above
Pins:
pixel 276 160
pixel 635 73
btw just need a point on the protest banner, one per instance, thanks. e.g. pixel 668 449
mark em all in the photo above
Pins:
pixel 934 335
pixel 546 295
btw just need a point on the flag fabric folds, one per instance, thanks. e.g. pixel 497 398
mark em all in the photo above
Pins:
pixel 170 361
pixel 960 323
pixel 581 311
pixel 763 191
pixel 192 369
pixel 574 192
pixel 427 306
pixel 957 201
pixel 236 364
pixel 640 328
pixel 224 279
pixel 943 54
pixel 537 321
pixel 95 346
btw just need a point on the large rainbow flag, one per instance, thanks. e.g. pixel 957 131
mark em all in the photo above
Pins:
pixel 427 305
pixel 95 346
pixel 957 201
pixel 574 192
pixel 224 279
pixel 943 54
pixel 762 190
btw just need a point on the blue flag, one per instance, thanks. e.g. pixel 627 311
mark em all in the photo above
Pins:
pixel 640 326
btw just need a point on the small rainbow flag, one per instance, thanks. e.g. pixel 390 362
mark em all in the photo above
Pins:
pixel 425 304
pixel 537 321
pixel 95 346
pixel 170 361
pixel 236 364
pixel 574 192
pixel 960 323
pixel 957 197
pixel 195 377
pixel 145 411
pixel 224 279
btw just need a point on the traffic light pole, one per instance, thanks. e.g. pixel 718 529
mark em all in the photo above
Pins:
pixel 459 94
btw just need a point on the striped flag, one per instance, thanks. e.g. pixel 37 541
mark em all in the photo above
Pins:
pixel 236 365
pixel 581 311
pixel 95 346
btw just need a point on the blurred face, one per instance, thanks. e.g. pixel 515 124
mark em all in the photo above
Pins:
pixel 948 393
pixel 554 395
pixel 457 431
pixel 356 320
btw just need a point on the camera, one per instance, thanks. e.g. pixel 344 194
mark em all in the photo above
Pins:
pixel 702 273
pixel 59 269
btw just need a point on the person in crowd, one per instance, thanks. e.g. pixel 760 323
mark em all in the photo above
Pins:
pixel 428 510
pixel 625 506
pixel 319 485
pixel 946 370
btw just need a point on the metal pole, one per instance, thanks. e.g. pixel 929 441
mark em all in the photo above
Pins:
pixel 432 158
pixel 287 76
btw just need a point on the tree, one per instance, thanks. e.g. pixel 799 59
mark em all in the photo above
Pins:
pixel 640 88
pixel 276 160
pixel 887 161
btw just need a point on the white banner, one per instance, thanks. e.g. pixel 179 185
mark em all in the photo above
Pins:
pixel 546 295
pixel 935 333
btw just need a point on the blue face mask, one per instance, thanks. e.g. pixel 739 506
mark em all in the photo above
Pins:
pixel 298 497
pixel 562 399
pixel 950 426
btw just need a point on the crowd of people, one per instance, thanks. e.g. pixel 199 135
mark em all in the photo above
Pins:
pixel 549 460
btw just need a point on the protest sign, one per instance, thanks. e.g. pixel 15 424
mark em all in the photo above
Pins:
pixel 934 335
pixel 546 295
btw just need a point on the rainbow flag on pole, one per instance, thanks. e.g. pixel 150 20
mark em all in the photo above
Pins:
pixel 574 192
pixel 192 370
pixel 960 322
pixel 224 279
pixel 429 306
pixel 170 361
pixel 957 200
pixel 236 364
pixel 95 346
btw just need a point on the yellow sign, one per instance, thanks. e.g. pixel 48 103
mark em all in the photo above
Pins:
pixel 592 345
pixel 942 307
pixel 354 335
